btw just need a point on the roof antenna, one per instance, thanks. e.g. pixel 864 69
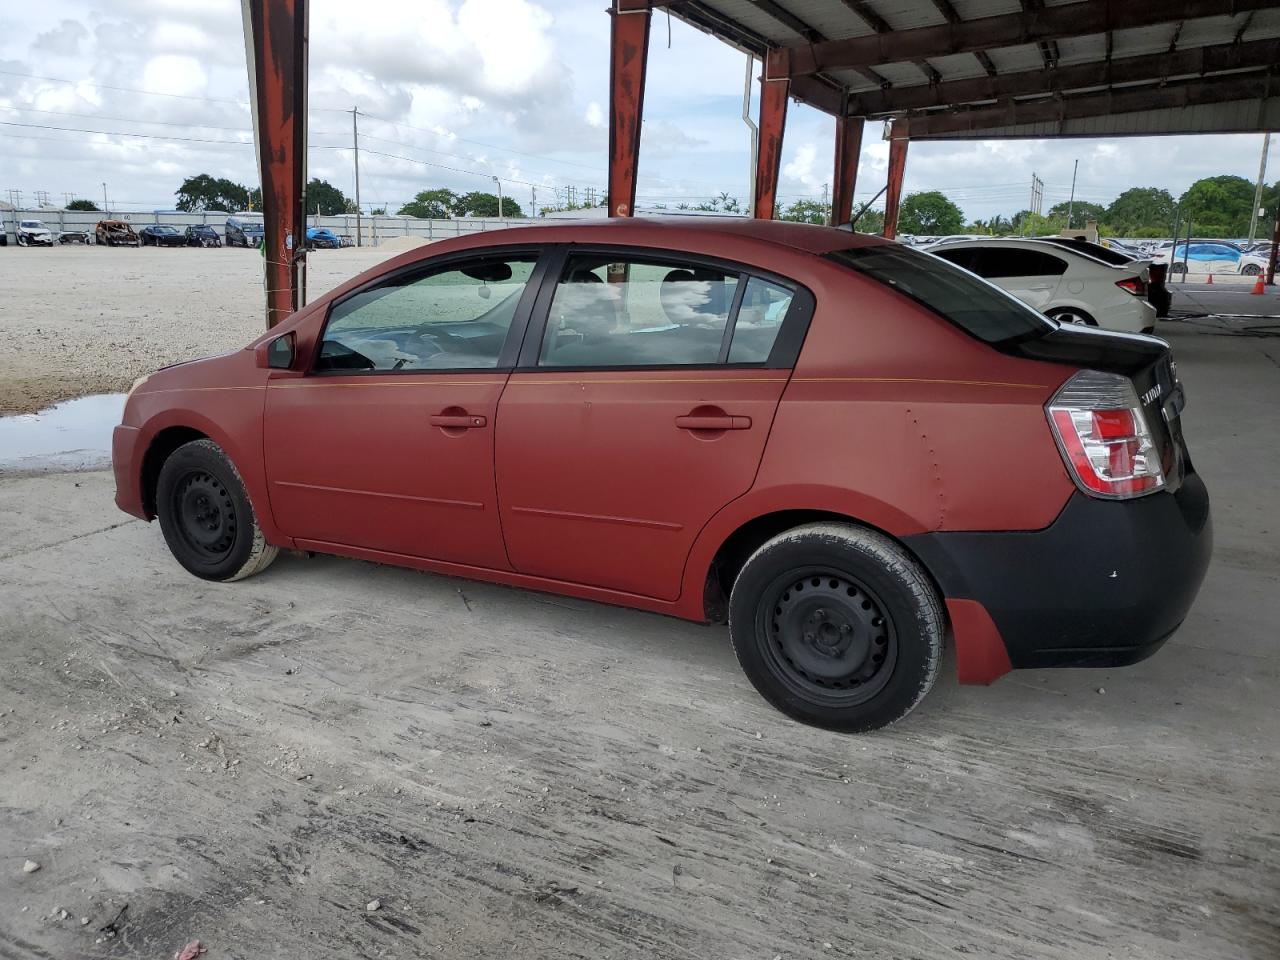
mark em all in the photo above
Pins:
pixel 865 207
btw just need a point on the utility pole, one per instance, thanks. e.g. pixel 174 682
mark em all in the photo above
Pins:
pixel 534 208
pixel 1071 204
pixel 105 208
pixel 826 207
pixel 355 149
pixel 499 183
pixel 1257 192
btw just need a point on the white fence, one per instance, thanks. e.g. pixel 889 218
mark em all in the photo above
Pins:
pixel 372 229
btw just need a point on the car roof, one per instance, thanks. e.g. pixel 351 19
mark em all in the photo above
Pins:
pixel 804 237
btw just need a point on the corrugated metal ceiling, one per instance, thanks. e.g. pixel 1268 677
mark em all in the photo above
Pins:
pixel 751 24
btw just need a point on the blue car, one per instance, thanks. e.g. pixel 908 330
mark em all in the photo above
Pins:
pixel 318 237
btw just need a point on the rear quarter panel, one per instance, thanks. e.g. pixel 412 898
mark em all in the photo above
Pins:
pixel 923 426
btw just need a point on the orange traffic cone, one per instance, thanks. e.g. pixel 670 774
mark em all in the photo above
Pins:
pixel 1210 280
pixel 1259 287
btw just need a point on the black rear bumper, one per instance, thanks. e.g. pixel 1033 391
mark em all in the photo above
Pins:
pixel 1104 585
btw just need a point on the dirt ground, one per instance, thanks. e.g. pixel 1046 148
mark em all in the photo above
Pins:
pixel 79 320
pixel 515 775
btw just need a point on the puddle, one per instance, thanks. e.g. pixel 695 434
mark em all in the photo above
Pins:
pixel 72 435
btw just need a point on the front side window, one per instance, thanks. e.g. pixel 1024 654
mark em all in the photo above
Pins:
pixel 608 312
pixel 447 318
pixel 979 308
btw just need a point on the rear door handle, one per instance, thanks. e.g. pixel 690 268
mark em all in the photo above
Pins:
pixel 462 421
pixel 713 423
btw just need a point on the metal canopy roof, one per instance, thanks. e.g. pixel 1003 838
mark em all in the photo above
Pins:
pixel 1016 68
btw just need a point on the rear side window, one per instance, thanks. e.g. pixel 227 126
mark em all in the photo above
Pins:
pixel 637 313
pixel 979 308
pixel 764 307
pixel 1001 262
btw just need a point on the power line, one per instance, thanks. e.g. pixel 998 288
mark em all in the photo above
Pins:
pixel 105 86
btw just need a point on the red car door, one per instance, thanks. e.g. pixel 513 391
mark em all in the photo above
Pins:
pixel 639 409
pixel 387 444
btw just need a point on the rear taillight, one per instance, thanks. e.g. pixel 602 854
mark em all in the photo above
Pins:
pixel 1133 285
pixel 1104 438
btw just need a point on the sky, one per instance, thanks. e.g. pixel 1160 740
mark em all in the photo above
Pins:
pixel 454 92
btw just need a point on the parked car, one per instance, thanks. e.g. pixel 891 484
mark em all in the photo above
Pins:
pixel 75 236
pixel 322 237
pixel 1200 257
pixel 842 446
pixel 33 233
pixel 162 235
pixel 1059 282
pixel 202 235
pixel 1158 293
pixel 242 232
pixel 116 233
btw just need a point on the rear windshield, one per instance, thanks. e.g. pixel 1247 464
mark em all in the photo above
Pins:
pixel 975 306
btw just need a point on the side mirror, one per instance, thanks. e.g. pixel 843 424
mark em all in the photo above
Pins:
pixel 277 354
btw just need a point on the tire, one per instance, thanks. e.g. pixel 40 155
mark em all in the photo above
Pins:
pixel 206 516
pixel 1251 270
pixel 1072 315
pixel 22 241
pixel 856 652
pixel 1177 269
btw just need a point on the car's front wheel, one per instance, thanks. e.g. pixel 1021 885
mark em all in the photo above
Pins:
pixel 1251 270
pixel 837 626
pixel 206 516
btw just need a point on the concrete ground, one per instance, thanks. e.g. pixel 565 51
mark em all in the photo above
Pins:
pixel 511 774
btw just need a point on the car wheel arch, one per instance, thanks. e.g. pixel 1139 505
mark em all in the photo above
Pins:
pixel 738 529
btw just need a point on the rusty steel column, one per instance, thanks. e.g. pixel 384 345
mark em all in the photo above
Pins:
pixel 275 34
pixel 628 57
pixel 848 147
pixel 893 195
pixel 774 87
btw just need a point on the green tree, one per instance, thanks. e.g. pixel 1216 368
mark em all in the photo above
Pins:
pixel 1028 224
pixel 1140 209
pixel 477 203
pixel 807 211
pixel 1082 211
pixel 325 199
pixel 431 205
pixel 929 212
pixel 82 205
pixel 203 192
pixel 1218 206
pixel 870 222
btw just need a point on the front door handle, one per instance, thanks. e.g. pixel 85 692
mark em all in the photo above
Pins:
pixel 459 421
pixel 721 422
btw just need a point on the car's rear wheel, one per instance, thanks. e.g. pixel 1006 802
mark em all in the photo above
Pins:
pixel 837 626
pixel 1251 270
pixel 1073 315
pixel 206 516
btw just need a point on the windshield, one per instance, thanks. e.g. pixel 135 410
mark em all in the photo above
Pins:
pixel 975 306
pixel 163 229
pixel 33 224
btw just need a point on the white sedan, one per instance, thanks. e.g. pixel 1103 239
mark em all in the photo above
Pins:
pixel 1061 283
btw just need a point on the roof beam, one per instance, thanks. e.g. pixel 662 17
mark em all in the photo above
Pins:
pixel 1048 48
pixel 1178 94
pixel 810 33
pixel 1148 68
pixel 950 15
pixel 970 36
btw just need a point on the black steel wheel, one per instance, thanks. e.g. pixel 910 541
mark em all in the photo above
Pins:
pixel 837 626
pixel 206 517
pixel 829 637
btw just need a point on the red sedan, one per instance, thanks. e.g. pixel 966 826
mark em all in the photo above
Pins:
pixel 843 447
